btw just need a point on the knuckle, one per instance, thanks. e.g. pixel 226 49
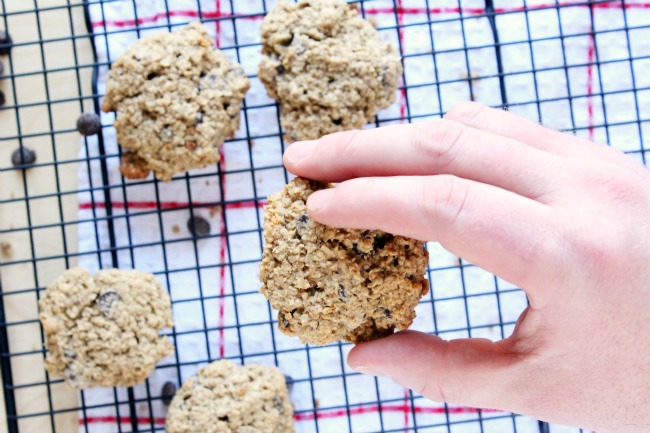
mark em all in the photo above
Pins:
pixel 439 141
pixel 616 185
pixel 464 111
pixel 445 199
pixel 604 255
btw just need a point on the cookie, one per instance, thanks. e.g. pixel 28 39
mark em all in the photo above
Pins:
pixel 329 283
pixel 226 398
pixel 327 66
pixel 177 100
pixel 103 330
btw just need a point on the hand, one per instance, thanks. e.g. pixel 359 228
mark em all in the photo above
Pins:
pixel 565 219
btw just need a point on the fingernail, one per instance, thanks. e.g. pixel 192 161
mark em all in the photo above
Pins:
pixel 319 199
pixel 299 151
pixel 371 371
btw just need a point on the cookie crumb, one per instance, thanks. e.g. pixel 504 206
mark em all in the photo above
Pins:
pixel 215 210
pixel 5 247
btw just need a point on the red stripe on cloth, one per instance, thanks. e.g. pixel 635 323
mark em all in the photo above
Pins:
pixel 406 412
pixel 164 205
pixel 591 54
pixel 370 11
pixel 360 410
pixel 222 257
pixel 218 23
pixel 400 24
pixel 309 416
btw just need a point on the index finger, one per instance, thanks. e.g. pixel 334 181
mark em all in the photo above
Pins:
pixel 429 148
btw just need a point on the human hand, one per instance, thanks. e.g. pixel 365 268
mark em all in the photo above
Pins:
pixel 565 219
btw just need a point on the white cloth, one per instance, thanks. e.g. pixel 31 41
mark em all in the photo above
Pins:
pixel 230 298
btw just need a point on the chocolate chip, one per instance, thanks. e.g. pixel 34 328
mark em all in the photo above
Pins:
pixel 342 295
pixel 226 105
pixel 167 393
pixel 198 226
pixel 386 312
pixel 395 261
pixel 106 301
pixel 289 381
pixel 304 218
pixel 313 290
pixel 70 377
pixel 279 404
pixel 288 41
pixel 3 99
pixel 152 75
pixel 381 241
pixel 89 124
pixel 337 121
pixel 6 43
pixel 280 69
pixel 355 248
pixel 224 418
pixel 23 156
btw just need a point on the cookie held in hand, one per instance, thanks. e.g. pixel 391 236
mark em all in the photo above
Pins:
pixel 330 284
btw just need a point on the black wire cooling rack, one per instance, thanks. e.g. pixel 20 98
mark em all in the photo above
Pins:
pixel 581 66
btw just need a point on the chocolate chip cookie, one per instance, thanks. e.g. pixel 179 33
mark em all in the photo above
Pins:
pixel 226 398
pixel 330 284
pixel 103 330
pixel 327 66
pixel 177 100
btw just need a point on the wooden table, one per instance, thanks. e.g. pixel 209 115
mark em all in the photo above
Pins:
pixel 31 88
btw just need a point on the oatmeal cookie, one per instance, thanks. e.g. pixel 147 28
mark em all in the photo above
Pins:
pixel 177 100
pixel 103 330
pixel 326 66
pixel 330 284
pixel 226 398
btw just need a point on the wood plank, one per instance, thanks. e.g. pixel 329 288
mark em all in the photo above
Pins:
pixel 43 197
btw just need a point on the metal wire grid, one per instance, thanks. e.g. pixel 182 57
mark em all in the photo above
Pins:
pixel 450 287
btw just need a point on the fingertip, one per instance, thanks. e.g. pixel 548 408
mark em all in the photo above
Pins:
pixel 360 362
pixel 319 200
pixel 298 152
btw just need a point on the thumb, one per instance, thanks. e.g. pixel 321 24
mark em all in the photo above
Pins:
pixel 470 372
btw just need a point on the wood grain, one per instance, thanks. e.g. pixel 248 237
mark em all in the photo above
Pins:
pixel 45 82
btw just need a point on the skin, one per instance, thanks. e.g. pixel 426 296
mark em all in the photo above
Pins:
pixel 563 218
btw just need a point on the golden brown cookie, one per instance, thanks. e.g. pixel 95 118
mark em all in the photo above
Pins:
pixel 327 66
pixel 104 330
pixel 226 398
pixel 330 284
pixel 177 100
